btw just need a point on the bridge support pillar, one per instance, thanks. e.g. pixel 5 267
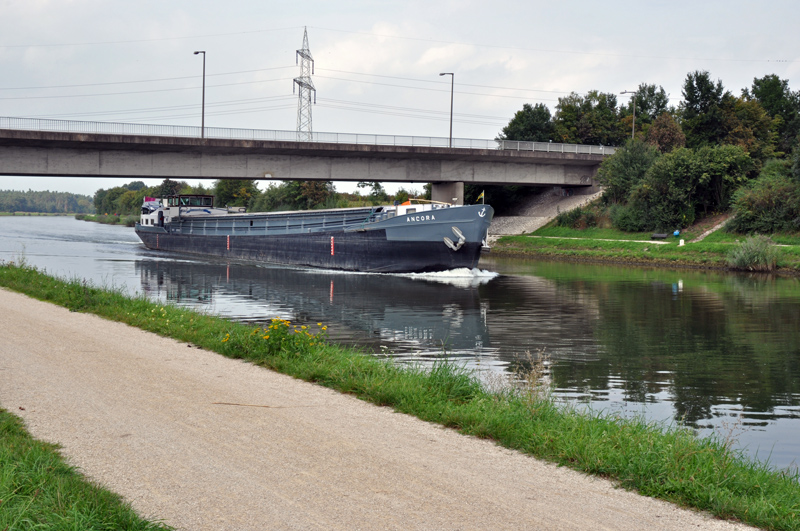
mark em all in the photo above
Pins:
pixel 448 192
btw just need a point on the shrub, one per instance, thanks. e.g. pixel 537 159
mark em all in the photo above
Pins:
pixel 577 218
pixel 757 253
pixel 683 183
pixel 770 203
pixel 629 219
pixel 625 169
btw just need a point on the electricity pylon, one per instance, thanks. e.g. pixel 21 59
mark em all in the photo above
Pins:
pixel 305 88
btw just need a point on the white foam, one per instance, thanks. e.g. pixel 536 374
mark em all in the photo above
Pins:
pixel 462 277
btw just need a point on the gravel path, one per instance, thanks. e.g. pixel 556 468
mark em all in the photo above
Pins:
pixel 204 442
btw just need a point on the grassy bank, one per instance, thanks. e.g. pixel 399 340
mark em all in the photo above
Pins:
pixel 664 462
pixel 107 219
pixel 609 245
pixel 38 490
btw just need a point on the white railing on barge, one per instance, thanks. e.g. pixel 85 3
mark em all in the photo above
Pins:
pixel 187 131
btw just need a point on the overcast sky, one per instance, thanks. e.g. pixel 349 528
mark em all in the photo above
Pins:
pixel 377 64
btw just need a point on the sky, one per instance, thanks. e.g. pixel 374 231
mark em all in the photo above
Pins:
pixel 376 64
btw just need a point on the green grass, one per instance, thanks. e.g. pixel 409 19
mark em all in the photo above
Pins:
pixel 656 460
pixel 38 490
pixel 594 245
pixel 592 233
pixel 720 236
pixel 107 219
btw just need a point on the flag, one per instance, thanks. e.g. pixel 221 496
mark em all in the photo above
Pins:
pixel 479 197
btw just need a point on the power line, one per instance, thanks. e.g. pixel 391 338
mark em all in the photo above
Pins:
pixel 570 52
pixel 55 45
pixel 407 115
pixel 434 89
pixel 144 80
pixel 440 83
pixel 219 113
pixel 141 91
pixel 409 109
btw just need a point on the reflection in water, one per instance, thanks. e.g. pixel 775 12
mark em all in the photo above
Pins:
pixel 719 351
pixel 418 317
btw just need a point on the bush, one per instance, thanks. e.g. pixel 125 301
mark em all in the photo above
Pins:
pixel 577 218
pixel 768 204
pixel 625 169
pixel 683 183
pixel 757 253
pixel 629 219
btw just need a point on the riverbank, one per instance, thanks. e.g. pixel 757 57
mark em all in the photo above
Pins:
pixel 613 246
pixel 109 219
pixel 48 214
pixel 667 463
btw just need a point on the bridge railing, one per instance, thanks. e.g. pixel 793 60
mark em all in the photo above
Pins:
pixel 113 128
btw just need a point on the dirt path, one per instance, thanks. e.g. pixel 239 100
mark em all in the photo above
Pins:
pixel 150 418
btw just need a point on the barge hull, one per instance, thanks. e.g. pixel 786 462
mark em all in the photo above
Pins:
pixel 367 251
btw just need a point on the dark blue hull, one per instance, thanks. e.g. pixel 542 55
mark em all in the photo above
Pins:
pixel 367 251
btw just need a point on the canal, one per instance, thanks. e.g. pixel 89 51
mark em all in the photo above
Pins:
pixel 719 352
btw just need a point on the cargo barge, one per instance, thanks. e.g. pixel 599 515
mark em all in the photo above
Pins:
pixel 412 237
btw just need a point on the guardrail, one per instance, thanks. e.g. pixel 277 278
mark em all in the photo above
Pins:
pixel 113 128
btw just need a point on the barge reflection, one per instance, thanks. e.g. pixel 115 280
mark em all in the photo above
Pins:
pixel 425 315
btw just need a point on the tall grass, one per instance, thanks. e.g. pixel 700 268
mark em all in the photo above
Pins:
pixel 668 462
pixel 756 253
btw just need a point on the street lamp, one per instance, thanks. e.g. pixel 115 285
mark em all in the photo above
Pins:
pixel 203 112
pixel 452 82
pixel 633 127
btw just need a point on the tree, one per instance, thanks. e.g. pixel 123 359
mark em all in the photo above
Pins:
pixel 316 193
pixel 778 101
pixel 377 193
pixel 719 171
pixel 50 202
pixel 593 119
pixel 650 101
pixel 622 171
pixel 235 192
pixel 135 186
pixel 169 187
pixel 794 172
pixel 293 195
pixel 665 134
pixel 701 111
pixel 748 126
pixel 531 124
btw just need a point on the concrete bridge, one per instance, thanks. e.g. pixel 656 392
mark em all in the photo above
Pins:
pixel 101 149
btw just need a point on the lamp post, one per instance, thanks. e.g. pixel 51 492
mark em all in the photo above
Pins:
pixel 452 83
pixel 633 126
pixel 203 112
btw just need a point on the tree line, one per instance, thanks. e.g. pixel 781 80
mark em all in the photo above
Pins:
pixel 289 195
pixel 45 202
pixel 713 152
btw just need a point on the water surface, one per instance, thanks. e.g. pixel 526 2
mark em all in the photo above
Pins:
pixel 720 352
